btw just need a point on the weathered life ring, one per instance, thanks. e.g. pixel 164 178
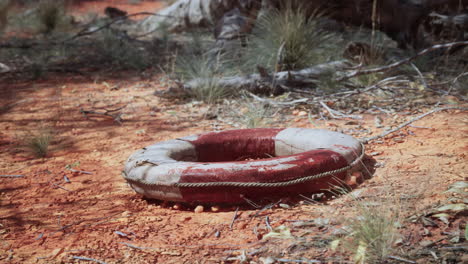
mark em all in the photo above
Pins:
pixel 230 166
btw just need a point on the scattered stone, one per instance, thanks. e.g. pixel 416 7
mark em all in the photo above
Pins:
pixel 215 208
pixel 199 209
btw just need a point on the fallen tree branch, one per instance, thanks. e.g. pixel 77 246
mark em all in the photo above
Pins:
pixel 258 82
pixel 404 61
pixel 384 134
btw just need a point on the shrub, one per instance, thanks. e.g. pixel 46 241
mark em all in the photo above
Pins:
pixel 207 71
pixel 115 48
pixel 286 39
pixel 38 143
pixel 371 235
pixel 51 14
pixel 254 115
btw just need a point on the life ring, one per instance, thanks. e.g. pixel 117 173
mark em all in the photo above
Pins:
pixel 230 166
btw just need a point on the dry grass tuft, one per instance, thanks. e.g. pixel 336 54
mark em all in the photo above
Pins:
pixel 38 143
pixel 371 235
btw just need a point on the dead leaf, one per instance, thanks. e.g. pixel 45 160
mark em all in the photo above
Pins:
pixel 279 232
pixel 454 208
pixel 428 222
pixel 442 217
pixel 334 244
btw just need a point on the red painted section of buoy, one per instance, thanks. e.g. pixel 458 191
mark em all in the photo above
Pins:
pixel 235 145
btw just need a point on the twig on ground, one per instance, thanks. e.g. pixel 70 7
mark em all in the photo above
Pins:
pixel 267 223
pixel 58 186
pixel 413 126
pixel 11 176
pixel 298 260
pixel 274 103
pixel 404 61
pixel 116 116
pixel 266 207
pixel 234 218
pixel 401 259
pixel 80 171
pixel 88 259
pixel 336 114
pixel 423 80
pixel 366 140
pixel 132 246
pixel 252 203
pixel 86 31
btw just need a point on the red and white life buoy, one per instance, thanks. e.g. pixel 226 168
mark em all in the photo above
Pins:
pixel 229 166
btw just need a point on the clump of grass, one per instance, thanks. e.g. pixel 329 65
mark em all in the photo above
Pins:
pixel 4 10
pixel 119 51
pixel 38 143
pixel 254 115
pixel 367 80
pixel 51 14
pixel 371 235
pixel 206 71
pixel 286 39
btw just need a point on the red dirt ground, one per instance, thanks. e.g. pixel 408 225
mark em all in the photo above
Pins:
pixel 44 219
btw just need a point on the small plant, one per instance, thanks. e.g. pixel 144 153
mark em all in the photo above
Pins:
pixel 205 73
pixel 254 115
pixel 51 14
pixel 367 80
pixel 4 10
pixel 371 235
pixel 286 39
pixel 118 50
pixel 38 143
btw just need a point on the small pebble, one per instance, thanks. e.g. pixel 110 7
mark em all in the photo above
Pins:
pixel 177 206
pixel 214 208
pixel 199 209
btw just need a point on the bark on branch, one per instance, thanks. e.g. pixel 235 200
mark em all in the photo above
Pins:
pixel 276 83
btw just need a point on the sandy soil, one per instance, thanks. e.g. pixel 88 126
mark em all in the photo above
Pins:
pixel 52 213
pixel 45 219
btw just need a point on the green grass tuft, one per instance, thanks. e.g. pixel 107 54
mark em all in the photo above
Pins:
pixel 371 235
pixel 39 143
pixel 51 14
pixel 286 40
pixel 207 71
